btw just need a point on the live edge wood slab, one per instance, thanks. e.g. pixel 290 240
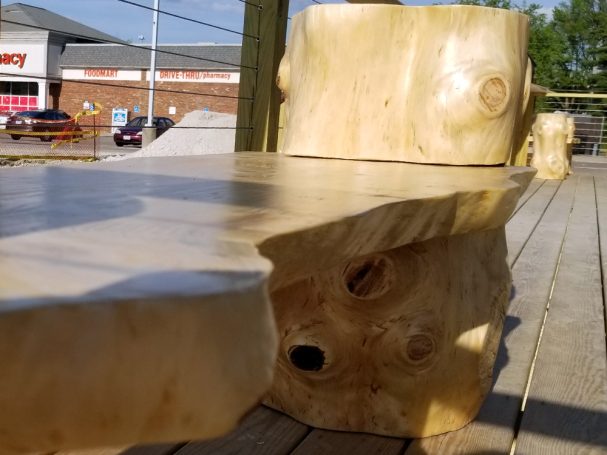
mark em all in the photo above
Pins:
pixel 135 295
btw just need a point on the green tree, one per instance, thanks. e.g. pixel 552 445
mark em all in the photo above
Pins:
pixel 547 48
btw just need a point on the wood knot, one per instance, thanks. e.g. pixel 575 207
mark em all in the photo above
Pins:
pixel 419 348
pixel 494 93
pixel 368 278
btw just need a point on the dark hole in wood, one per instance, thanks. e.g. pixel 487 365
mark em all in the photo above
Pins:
pixel 307 358
pixel 368 279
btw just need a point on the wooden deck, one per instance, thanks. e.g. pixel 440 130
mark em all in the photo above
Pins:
pixel 550 381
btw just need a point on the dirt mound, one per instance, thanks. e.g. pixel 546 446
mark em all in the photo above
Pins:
pixel 199 133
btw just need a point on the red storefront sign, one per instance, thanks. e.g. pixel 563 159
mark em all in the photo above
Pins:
pixel 13 59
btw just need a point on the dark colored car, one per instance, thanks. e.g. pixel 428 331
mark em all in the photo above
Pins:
pixel 39 122
pixel 131 133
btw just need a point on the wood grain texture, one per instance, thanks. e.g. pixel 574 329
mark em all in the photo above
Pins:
pixel 550 132
pixel 492 431
pixel 338 443
pixel 366 345
pixel 263 432
pixel 521 226
pixel 426 97
pixel 567 407
pixel 258 118
pixel 157 271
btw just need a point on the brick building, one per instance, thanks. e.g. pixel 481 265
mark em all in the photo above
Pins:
pixel 49 61
pixel 116 76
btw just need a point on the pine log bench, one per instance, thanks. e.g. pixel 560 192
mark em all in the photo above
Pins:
pixel 76 231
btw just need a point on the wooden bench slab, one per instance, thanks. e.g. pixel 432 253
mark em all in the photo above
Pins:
pixel 147 272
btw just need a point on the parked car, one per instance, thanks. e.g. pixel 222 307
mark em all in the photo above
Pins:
pixel 41 121
pixel 131 133
pixel 4 116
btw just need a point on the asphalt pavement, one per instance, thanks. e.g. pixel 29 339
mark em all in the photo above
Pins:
pixel 33 146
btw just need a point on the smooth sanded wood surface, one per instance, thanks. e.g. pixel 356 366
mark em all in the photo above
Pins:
pixel 198 237
pixel 533 274
pixel 566 411
pixel 493 429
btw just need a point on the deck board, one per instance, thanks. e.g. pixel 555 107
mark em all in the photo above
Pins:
pixel 338 443
pixel 531 189
pixel 523 223
pixel 566 411
pixel 493 429
pixel 263 432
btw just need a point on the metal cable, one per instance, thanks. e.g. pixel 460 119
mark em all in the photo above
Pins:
pixel 257 5
pixel 128 45
pixel 166 13
pixel 164 90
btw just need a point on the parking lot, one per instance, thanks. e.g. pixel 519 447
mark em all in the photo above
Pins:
pixel 33 146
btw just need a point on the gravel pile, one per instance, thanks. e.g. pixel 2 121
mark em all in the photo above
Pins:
pixel 185 139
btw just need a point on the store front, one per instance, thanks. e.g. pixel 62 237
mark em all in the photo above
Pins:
pixel 50 69
pixel 18 96
pixel 29 64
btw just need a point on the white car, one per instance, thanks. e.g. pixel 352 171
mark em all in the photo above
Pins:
pixel 4 116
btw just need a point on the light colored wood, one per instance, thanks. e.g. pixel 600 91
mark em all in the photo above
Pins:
pixel 567 408
pixel 137 311
pixel 257 119
pixel 550 133
pixel 570 140
pixel 387 2
pixel 366 345
pixel 96 451
pixel 492 432
pixel 338 443
pixel 434 84
pixel 522 126
pixel 264 431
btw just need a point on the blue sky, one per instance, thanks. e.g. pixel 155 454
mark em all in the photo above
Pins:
pixel 130 22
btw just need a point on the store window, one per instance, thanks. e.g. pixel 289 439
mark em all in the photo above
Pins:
pixel 18 96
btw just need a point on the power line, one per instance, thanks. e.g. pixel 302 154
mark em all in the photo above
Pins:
pixel 128 45
pixel 189 19
pixel 257 5
pixel 165 90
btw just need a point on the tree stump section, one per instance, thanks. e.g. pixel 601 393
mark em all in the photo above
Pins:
pixel 398 343
pixel 550 157
pixel 435 84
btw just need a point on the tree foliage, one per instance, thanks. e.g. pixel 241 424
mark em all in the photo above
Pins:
pixel 568 48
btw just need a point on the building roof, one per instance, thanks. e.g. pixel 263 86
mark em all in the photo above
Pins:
pixel 40 18
pixel 223 56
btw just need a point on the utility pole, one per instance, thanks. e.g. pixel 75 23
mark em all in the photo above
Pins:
pixel 149 133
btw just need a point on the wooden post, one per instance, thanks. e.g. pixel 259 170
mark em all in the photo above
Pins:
pixel 259 106
pixel 520 150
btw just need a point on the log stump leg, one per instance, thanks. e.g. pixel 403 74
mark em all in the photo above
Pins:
pixel 400 342
pixel 550 132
